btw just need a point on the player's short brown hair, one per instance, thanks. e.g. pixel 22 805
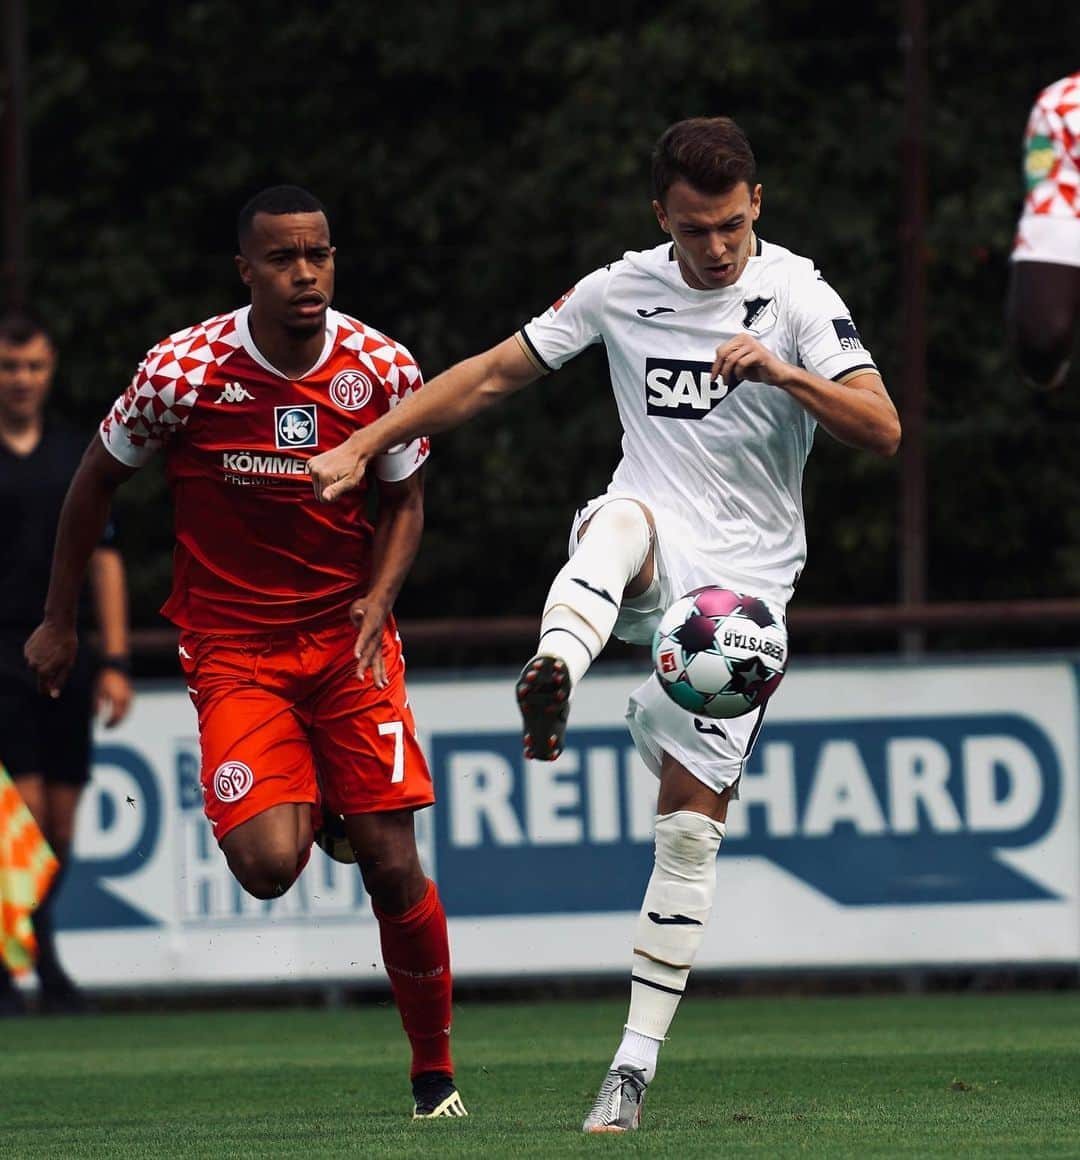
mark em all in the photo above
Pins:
pixel 710 153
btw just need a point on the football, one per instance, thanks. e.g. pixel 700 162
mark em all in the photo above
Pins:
pixel 719 653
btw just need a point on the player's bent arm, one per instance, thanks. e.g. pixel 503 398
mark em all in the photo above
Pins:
pixel 856 410
pixel 399 525
pixel 446 401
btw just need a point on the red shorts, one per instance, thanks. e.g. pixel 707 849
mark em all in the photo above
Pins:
pixel 283 718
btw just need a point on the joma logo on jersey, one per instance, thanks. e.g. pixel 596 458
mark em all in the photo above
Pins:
pixel 296 426
pixel 677 389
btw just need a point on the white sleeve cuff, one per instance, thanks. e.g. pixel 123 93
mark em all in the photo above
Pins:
pixel 401 461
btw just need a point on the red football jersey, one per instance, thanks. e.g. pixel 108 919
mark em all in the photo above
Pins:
pixel 254 549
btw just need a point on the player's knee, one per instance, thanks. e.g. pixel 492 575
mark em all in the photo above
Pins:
pixel 392 879
pixel 687 843
pixel 626 519
pixel 264 873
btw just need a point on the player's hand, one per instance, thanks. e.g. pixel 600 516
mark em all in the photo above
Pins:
pixel 50 652
pixel 743 357
pixel 337 471
pixel 112 697
pixel 368 617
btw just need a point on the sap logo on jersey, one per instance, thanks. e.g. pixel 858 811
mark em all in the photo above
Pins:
pixel 296 426
pixel 677 389
pixel 351 390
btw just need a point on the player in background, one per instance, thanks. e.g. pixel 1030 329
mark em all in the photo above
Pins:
pixel 45 745
pixel 1043 305
pixel 287 635
pixel 725 353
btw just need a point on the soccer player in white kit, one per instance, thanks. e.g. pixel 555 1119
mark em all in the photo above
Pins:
pixel 1043 308
pixel 726 352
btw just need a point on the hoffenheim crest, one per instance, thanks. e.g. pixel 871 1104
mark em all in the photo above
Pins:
pixel 760 314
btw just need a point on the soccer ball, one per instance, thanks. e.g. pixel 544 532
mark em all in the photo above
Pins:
pixel 719 653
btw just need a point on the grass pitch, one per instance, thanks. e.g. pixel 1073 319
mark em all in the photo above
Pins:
pixel 989 1075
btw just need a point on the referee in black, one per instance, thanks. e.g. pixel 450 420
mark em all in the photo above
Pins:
pixel 45 743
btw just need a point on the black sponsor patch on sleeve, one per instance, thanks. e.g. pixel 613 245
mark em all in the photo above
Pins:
pixel 847 334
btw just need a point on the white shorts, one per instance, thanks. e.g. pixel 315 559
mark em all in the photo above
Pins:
pixel 1042 238
pixel 713 751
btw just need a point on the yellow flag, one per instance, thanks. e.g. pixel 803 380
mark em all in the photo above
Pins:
pixel 27 866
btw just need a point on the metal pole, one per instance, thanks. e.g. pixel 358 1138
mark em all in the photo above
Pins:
pixel 15 164
pixel 912 531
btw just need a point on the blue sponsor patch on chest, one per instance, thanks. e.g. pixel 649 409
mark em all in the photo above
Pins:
pixel 296 426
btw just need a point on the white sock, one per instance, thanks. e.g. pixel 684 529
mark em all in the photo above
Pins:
pixel 584 598
pixel 674 913
pixel 638 1050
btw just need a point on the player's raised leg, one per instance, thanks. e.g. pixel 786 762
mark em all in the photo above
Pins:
pixel 614 556
pixel 416 952
pixel 674 914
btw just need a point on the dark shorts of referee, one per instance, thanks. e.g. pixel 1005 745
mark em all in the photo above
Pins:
pixel 39 734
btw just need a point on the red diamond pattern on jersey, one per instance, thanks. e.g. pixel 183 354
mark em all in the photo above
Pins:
pixel 254 549
pixel 1055 117
pixel 164 389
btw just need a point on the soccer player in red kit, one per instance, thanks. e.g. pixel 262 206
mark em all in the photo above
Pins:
pixel 284 605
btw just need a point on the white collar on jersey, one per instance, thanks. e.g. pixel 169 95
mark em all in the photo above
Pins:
pixel 248 343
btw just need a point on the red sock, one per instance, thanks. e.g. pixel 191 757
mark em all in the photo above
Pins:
pixel 416 954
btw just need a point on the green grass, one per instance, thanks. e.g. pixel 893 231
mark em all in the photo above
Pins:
pixel 989 1075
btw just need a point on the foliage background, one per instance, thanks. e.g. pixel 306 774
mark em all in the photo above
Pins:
pixel 477 160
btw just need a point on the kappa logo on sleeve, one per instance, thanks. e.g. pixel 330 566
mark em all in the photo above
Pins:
pixel 847 334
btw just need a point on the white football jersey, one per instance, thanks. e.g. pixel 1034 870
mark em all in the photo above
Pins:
pixel 720 466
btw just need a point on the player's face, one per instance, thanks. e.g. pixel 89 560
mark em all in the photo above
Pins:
pixel 288 263
pixel 712 232
pixel 26 373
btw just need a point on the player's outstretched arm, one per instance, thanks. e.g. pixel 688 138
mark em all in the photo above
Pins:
pixel 856 411
pixel 50 650
pixel 447 400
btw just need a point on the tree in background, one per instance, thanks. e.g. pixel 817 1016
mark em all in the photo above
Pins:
pixel 476 158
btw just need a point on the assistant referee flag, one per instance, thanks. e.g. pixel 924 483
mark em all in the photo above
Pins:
pixel 27 866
